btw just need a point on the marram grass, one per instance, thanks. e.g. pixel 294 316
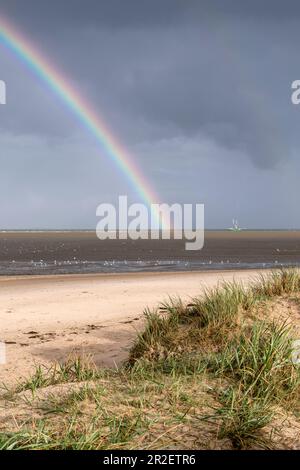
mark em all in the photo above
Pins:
pixel 210 362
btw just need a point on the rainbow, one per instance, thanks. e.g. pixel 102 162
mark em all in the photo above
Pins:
pixel 16 42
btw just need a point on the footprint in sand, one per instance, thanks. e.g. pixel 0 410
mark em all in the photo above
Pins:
pixel 129 321
pixel 95 327
pixel 41 336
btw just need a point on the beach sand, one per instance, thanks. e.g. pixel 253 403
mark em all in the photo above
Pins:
pixel 49 318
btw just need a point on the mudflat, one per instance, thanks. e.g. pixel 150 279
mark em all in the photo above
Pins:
pixel 82 252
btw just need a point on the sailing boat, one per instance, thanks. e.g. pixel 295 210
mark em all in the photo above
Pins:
pixel 235 226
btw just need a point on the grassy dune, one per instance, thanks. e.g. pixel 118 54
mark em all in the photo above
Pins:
pixel 217 373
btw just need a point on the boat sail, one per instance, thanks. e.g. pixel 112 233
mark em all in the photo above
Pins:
pixel 235 226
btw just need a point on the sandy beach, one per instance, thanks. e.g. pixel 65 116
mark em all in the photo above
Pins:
pixel 48 318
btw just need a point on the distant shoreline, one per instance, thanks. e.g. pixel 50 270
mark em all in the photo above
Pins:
pixel 93 230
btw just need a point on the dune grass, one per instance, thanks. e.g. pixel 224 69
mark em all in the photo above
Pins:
pixel 75 369
pixel 211 370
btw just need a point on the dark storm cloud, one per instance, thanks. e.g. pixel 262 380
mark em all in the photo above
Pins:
pixel 188 65
pixel 142 13
pixel 163 71
pixel 110 14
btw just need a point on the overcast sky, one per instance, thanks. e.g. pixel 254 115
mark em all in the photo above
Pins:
pixel 199 92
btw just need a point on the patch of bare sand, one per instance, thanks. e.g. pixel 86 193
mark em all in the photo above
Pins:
pixel 284 309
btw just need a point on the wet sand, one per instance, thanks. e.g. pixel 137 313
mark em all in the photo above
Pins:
pixel 82 252
pixel 48 318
